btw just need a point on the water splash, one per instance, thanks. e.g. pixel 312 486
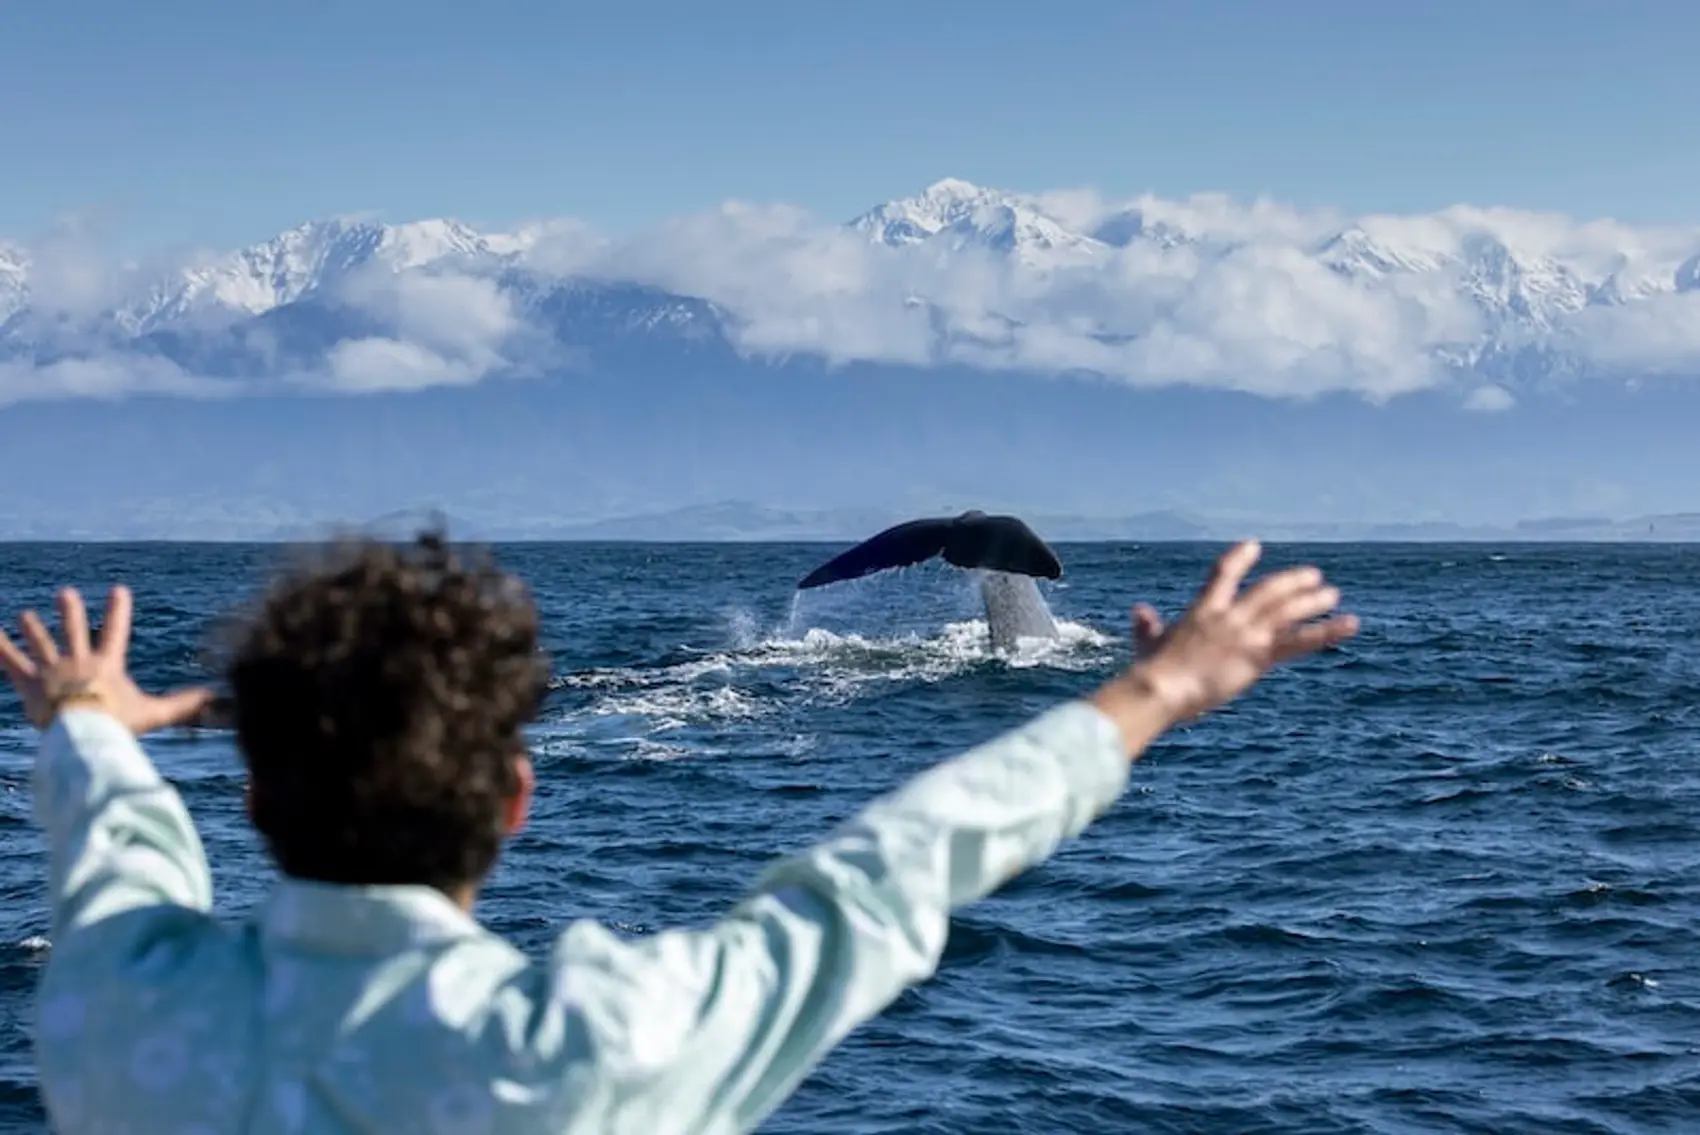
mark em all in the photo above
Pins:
pixel 759 675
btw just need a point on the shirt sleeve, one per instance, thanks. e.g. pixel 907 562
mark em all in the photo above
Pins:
pixel 118 836
pixel 711 1030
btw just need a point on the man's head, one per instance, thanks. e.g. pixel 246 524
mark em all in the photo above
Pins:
pixel 379 700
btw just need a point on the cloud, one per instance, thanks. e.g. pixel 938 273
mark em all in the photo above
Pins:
pixel 1658 335
pixel 559 247
pixel 1489 400
pixel 72 274
pixel 369 365
pixel 1261 316
pixel 1205 291
pixel 448 330
pixel 102 377
pixel 791 284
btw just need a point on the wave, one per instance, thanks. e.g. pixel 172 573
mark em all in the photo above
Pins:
pixel 758 675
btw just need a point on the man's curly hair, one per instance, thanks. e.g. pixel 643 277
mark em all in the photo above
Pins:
pixel 379 699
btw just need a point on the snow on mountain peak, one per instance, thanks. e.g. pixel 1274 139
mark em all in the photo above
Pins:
pixel 14 280
pixel 1510 266
pixel 300 261
pixel 952 189
pixel 419 243
pixel 959 214
pixel 1376 247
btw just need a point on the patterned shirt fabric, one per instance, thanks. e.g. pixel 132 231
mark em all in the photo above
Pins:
pixel 387 1009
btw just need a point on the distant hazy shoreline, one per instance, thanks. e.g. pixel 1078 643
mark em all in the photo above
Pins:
pixel 752 524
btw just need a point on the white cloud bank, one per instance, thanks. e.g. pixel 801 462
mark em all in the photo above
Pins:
pixel 449 330
pixel 100 376
pixel 1258 297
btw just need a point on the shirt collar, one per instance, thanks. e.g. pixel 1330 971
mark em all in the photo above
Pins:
pixel 361 920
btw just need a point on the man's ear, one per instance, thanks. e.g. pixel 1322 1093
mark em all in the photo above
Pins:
pixel 518 807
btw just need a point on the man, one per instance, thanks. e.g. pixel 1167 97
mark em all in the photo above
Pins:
pixel 379 701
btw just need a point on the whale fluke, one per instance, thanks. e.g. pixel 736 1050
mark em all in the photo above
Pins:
pixel 1010 555
pixel 971 540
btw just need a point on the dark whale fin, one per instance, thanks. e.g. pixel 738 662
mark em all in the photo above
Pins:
pixel 972 540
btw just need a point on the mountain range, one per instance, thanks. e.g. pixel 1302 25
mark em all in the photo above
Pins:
pixel 1052 353
pixel 958 273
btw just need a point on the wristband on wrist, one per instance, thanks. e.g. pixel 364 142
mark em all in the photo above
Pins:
pixel 73 695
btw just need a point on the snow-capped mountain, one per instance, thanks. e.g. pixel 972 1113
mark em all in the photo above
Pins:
pixel 1152 290
pixel 307 259
pixel 954 215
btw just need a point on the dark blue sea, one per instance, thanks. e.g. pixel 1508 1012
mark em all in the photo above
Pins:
pixel 1446 879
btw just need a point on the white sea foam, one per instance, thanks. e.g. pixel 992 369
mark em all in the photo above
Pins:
pixel 736 683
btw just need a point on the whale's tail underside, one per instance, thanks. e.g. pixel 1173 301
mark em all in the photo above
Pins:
pixel 1009 553
pixel 972 540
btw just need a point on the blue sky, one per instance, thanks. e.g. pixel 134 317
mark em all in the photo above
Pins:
pixel 219 123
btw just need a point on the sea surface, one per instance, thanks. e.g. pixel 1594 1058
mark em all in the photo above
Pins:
pixel 1445 879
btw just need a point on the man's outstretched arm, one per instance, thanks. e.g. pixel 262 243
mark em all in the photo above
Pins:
pixel 710 1030
pixel 699 1031
pixel 118 836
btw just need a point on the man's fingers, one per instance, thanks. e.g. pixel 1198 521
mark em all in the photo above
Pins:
pixel 1314 637
pixel 1272 590
pixel 40 642
pixel 1303 607
pixel 16 662
pixel 74 622
pixel 1229 572
pixel 1147 626
pixel 115 627
pixel 179 707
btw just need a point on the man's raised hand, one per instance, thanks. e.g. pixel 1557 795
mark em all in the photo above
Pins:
pixel 1228 638
pixel 86 674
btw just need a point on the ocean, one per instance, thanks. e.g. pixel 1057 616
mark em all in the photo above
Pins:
pixel 1444 879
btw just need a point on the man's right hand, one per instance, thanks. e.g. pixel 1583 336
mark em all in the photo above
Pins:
pixel 91 675
pixel 1225 642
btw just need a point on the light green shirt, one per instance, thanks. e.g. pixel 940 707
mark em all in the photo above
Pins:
pixel 386 1009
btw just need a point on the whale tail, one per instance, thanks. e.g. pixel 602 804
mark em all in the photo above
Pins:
pixel 971 540
pixel 1009 553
